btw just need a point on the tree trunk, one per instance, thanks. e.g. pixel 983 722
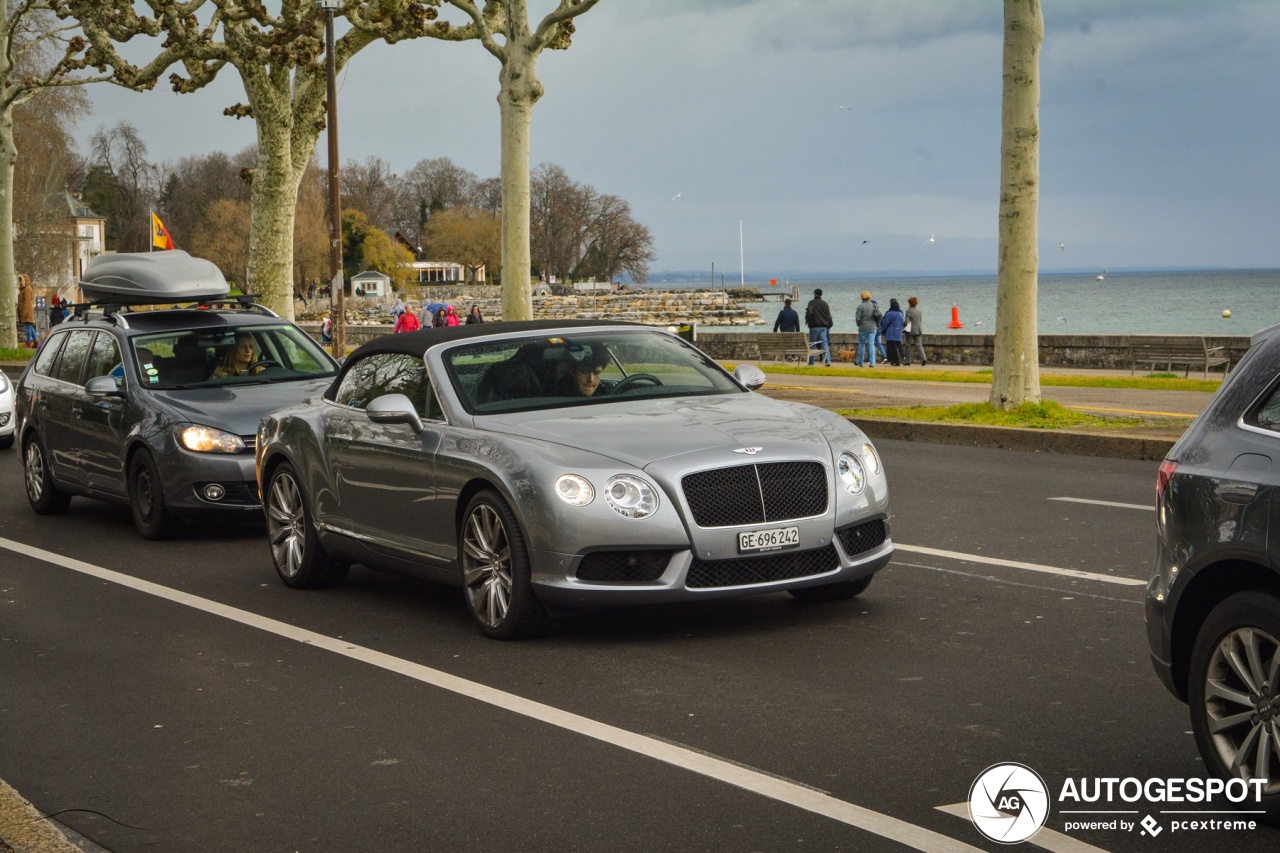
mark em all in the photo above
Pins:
pixel 1016 372
pixel 8 279
pixel 520 91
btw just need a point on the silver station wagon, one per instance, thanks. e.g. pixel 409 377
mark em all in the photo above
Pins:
pixel 550 466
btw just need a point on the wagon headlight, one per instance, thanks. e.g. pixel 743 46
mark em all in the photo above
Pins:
pixel 203 439
pixel 574 490
pixel 851 473
pixel 869 458
pixel 631 496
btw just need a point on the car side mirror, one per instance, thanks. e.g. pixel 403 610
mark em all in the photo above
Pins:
pixel 749 376
pixel 103 386
pixel 394 409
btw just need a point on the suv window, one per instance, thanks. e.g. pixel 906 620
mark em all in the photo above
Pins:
pixel 71 359
pixel 389 373
pixel 48 355
pixel 229 355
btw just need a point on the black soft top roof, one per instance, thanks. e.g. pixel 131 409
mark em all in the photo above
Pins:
pixel 417 343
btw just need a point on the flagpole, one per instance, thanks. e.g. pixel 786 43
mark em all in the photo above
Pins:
pixel 151 230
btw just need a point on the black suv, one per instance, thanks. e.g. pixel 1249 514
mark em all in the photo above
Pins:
pixel 1213 606
pixel 159 408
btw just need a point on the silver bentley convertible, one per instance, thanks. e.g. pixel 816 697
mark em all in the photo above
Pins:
pixel 552 466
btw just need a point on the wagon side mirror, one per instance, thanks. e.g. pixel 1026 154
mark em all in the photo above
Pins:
pixel 103 386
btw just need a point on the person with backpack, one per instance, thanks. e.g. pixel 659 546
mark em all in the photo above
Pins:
pixel 407 321
pixel 817 316
pixel 867 319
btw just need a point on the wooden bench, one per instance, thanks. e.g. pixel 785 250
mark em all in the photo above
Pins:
pixel 1185 351
pixel 784 346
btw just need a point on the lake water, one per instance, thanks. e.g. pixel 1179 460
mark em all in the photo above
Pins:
pixel 1147 303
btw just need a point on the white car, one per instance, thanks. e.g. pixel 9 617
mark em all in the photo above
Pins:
pixel 7 418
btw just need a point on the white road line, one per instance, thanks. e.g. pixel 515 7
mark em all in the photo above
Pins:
pixel 719 769
pixel 1147 507
pixel 1014 564
pixel 1047 838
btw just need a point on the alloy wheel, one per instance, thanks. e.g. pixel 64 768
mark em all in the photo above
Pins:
pixel 486 565
pixel 286 525
pixel 34 472
pixel 1242 704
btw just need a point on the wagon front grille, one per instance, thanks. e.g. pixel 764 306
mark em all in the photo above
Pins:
pixel 744 571
pixel 755 494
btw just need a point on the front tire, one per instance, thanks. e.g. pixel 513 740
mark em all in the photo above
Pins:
pixel 839 591
pixel 42 493
pixel 300 560
pixel 495 571
pixel 146 498
pixel 1234 694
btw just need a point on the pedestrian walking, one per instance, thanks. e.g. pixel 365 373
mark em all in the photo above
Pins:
pixel 27 309
pixel 475 316
pixel 788 320
pixel 817 316
pixel 867 319
pixel 407 321
pixel 57 313
pixel 397 308
pixel 891 328
pixel 914 331
pixel 879 338
pixel 326 330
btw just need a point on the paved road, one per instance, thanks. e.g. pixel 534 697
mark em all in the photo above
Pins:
pixel 180 689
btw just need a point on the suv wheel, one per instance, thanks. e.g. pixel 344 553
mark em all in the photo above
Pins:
pixel 146 498
pixel 1235 694
pixel 45 497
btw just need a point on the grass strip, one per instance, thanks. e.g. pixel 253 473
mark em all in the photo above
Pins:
pixel 1150 382
pixel 1044 415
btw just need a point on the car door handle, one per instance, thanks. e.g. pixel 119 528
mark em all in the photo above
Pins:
pixel 1237 492
pixel 340 438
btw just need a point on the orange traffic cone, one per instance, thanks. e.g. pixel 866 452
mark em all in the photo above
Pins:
pixel 955 319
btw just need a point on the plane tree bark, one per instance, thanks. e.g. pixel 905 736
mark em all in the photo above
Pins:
pixel 1016 369
pixel 280 60
pixel 519 90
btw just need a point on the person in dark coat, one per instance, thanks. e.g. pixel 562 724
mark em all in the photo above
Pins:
pixel 891 327
pixel 788 320
pixel 817 316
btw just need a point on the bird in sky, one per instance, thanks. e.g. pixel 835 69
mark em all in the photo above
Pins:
pixel 841 107
pixel 1062 247
pixel 931 238
pixel 865 242
pixel 1062 319
pixel 677 195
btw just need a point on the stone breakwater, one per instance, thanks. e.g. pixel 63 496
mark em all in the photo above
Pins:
pixel 654 308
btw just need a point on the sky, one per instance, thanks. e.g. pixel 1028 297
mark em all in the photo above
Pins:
pixel 789 137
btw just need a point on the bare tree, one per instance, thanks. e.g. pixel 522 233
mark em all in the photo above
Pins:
pixel 38 54
pixel 519 89
pixel 278 57
pixel 225 238
pixel 123 186
pixel 194 184
pixel 1016 369
pixel 370 188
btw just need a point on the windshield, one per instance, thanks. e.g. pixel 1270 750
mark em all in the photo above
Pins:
pixel 228 356
pixel 518 374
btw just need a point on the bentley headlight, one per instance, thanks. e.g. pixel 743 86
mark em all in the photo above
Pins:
pixel 869 458
pixel 631 496
pixel 203 439
pixel 574 490
pixel 851 473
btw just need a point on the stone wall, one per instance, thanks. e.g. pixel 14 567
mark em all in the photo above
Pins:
pixel 1100 351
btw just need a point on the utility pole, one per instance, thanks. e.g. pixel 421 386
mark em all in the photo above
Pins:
pixel 337 295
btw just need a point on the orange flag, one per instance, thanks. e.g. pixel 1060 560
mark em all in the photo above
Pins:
pixel 160 238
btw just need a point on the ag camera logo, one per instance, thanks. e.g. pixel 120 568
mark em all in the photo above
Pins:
pixel 1008 803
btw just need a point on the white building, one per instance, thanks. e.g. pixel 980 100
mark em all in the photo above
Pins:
pixel 371 283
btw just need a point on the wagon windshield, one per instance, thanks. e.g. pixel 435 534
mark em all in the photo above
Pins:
pixel 228 356
pixel 554 371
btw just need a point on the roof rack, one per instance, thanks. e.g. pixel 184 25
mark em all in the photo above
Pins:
pixel 115 310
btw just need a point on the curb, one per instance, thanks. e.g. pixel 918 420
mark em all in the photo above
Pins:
pixel 24 830
pixel 1145 448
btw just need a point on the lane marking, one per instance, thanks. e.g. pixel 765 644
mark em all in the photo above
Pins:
pixel 1147 507
pixel 1136 412
pixel 1074 593
pixel 718 769
pixel 1047 838
pixel 1015 564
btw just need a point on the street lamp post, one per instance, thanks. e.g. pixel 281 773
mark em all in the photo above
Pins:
pixel 337 287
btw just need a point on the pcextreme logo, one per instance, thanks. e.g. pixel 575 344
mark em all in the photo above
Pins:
pixel 1008 803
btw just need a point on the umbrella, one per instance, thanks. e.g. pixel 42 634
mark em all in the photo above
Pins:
pixel 434 307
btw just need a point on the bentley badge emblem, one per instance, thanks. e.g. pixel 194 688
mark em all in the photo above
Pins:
pixel 750 451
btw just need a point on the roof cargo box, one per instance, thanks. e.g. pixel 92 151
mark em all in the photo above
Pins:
pixel 143 278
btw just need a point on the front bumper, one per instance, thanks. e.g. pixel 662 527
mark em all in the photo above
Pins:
pixel 188 476
pixel 682 575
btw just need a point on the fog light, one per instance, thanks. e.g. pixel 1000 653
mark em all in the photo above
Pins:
pixel 214 492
